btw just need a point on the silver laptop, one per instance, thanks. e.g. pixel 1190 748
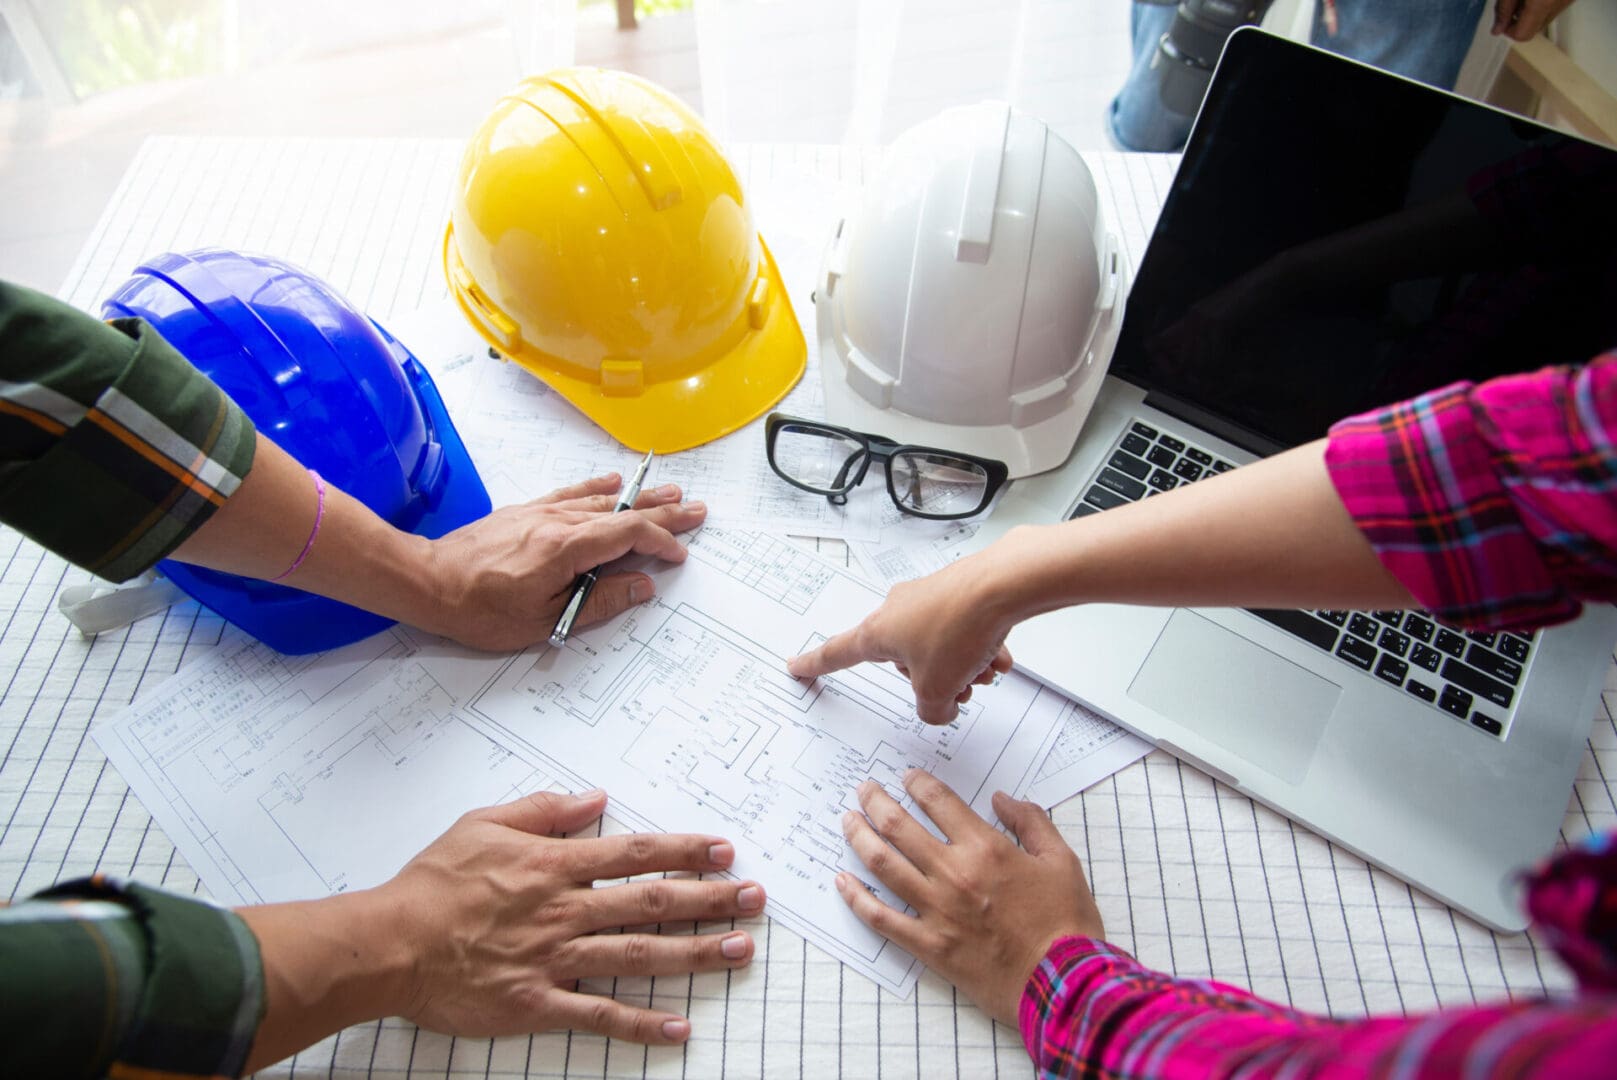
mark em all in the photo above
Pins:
pixel 1406 261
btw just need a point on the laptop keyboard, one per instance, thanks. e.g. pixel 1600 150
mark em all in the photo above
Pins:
pixel 1470 676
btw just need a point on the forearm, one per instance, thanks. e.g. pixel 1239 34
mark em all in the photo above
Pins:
pixel 1271 534
pixel 328 964
pixel 356 557
pixel 1090 1009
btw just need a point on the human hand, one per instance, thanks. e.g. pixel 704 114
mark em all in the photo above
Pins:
pixel 502 920
pixel 488 931
pixel 1522 20
pixel 987 911
pixel 940 636
pixel 501 582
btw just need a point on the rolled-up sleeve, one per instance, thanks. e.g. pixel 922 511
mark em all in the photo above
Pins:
pixel 1494 504
pixel 113 447
pixel 102 979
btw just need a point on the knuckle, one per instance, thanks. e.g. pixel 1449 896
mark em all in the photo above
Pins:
pixel 924 786
pixel 637 954
pixel 967 879
pixel 879 859
pixel 641 848
pixel 598 1016
pixel 656 900
pixel 560 912
pixel 886 819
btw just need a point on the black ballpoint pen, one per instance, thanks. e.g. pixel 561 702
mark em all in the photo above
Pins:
pixel 586 580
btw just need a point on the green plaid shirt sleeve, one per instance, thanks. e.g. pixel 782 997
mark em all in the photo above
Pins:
pixel 103 979
pixel 113 447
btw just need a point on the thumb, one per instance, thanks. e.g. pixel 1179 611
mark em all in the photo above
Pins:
pixel 615 593
pixel 549 813
pixel 1029 823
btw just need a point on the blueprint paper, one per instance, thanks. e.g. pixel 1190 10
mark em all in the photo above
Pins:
pixel 284 778
pixel 527 440
pixel 1088 749
pixel 1192 877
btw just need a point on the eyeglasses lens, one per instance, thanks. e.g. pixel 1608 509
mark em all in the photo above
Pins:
pixel 938 483
pixel 823 460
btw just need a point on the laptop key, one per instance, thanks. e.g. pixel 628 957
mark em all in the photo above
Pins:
pixel 1513 647
pixel 1134 444
pixel 1106 500
pixel 1421 690
pixel 1485 687
pixel 1418 628
pixel 1200 457
pixel 1188 469
pixel 1222 466
pixel 1358 652
pixel 1477 635
pixel 1116 481
pixel 1493 664
pixel 1450 642
pixel 1487 723
pixel 1456 701
pixel 1301 623
pixel 1335 618
pixel 1161 455
pixel 1363 626
pixel 1130 464
pixel 1394 642
pixel 1391 618
pixel 1171 443
pixel 1392 670
pixel 1163 481
pixel 1425 656
pixel 1084 510
pixel 1145 430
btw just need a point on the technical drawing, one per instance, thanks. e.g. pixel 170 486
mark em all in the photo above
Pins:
pixel 683 710
pixel 297 776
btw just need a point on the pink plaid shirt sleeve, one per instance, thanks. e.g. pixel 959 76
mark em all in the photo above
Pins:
pixel 1494 505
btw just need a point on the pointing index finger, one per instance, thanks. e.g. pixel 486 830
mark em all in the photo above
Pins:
pixel 841 651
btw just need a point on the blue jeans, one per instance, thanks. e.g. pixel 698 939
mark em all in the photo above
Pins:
pixel 1420 39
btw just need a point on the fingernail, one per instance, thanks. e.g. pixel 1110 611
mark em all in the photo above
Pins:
pixel 847 823
pixel 734 946
pixel 841 882
pixel 676 1029
pixel 591 795
pixel 667 491
pixel 750 898
pixel 696 506
pixel 640 591
pixel 867 788
pixel 720 854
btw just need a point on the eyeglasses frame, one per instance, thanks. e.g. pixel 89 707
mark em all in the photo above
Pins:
pixel 880 448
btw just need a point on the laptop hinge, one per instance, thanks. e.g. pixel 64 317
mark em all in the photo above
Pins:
pixel 1245 438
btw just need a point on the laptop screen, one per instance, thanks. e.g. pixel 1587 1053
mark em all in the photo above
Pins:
pixel 1338 238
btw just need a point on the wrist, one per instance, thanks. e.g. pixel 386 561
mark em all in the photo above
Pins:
pixel 327 964
pixel 1016 578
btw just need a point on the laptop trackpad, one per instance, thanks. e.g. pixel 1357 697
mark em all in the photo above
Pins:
pixel 1254 703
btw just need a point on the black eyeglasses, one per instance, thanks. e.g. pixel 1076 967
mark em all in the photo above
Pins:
pixel 832 461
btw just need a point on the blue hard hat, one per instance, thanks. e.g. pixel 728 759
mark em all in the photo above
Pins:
pixel 331 388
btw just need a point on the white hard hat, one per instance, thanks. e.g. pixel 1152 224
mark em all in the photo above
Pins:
pixel 973 300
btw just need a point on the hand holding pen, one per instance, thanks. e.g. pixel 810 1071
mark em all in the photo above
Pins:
pixel 586 581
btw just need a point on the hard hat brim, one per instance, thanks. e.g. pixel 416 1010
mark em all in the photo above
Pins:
pixel 677 414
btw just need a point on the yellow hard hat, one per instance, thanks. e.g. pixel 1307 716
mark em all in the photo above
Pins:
pixel 599 238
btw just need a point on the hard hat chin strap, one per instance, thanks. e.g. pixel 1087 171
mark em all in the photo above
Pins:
pixel 100 607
